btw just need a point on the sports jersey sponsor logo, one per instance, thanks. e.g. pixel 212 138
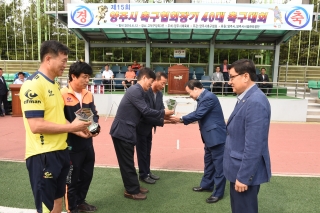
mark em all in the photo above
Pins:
pixel 30 97
pixel 69 99
pixel 47 175
pixel 50 93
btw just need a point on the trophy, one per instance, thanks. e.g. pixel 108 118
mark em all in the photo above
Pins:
pixel 85 114
pixel 171 104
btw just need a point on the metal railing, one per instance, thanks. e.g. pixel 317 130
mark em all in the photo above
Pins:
pixel 278 90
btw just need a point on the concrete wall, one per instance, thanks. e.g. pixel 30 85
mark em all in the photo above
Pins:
pixel 290 110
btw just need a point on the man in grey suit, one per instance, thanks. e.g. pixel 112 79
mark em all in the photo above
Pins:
pixel 123 131
pixel 246 160
pixel 217 76
pixel 154 100
pixel 213 134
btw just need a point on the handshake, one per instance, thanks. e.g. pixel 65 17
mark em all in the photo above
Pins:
pixel 170 116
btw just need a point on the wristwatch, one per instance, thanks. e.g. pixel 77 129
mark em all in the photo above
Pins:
pixel 181 120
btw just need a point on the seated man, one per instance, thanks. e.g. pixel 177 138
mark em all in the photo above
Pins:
pixel 135 66
pixel 108 76
pixel 263 77
pixel 130 78
pixel 217 76
pixel 21 79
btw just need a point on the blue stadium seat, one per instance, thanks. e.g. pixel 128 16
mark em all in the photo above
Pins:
pixel 206 85
pixel 118 82
pixel 115 68
pixel 199 72
pixel 97 81
pixel 158 69
pixel 124 69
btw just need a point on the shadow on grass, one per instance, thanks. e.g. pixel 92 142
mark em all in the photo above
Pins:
pixel 172 193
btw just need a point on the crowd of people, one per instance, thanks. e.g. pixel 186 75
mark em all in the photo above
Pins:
pixel 220 79
pixel 60 154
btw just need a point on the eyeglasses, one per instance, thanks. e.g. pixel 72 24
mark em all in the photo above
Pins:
pixel 232 77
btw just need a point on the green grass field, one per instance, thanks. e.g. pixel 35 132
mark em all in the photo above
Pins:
pixel 172 193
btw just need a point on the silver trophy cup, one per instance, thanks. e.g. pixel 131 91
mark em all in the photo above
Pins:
pixel 85 114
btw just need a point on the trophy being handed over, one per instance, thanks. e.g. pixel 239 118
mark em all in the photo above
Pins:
pixel 171 104
pixel 85 114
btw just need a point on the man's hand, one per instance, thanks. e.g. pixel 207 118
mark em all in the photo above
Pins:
pixel 174 119
pixel 168 112
pixel 78 125
pixel 83 134
pixel 240 187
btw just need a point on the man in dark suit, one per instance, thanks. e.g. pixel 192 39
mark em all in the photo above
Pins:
pixel 154 100
pixel 213 133
pixel 3 95
pixel 246 160
pixel 224 69
pixel 123 131
pixel 263 77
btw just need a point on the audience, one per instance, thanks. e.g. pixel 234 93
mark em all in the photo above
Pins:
pixel 141 66
pixel 135 66
pixel 21 79
pixel 217 76
pixel 108 76
pixel 263 77
pixel 130 78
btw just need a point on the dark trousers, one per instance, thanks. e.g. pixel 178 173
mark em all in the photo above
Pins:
pixel 266 88
pixel 213 170
pixel 3 99
pixel 225 76
pixel 107 84
pixel 125 152
pixel 80 176
pixel 244 202
pixel 217 87
pixel 47 174
pixel 143 147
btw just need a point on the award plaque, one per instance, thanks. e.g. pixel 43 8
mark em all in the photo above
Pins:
pixel 171 104
pixel 85 114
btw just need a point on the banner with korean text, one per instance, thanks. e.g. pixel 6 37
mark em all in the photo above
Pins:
pixel 191 16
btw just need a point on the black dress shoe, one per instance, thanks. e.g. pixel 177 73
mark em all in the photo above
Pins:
pixel 148 180
pixel 153 176
pixel 1 115
pixel 200 189
pixel 213 199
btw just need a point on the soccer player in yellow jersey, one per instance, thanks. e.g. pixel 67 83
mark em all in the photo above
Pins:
pixel 42 105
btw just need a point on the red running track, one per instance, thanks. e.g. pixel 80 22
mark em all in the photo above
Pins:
pixel 294 147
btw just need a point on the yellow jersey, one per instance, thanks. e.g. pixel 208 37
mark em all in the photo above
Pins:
pixel 41 98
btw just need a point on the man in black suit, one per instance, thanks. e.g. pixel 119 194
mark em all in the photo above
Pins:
pixel 3 95
pixel 123 131
pixel 263 77
pixel 154 100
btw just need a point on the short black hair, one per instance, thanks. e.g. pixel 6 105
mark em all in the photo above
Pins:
pixel 263 68
pixel 19 73
pixel 107 65
pixel 243 66
pixel 78 68
pixel 161 74
pixel 0 68
pixel 191 84
pixel 52 47
pixel 146 71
